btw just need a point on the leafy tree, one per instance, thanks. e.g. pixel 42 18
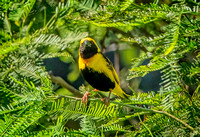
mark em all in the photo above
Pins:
pixel 164 34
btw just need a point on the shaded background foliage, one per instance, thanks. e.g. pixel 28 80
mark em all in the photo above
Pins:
pixel 154 46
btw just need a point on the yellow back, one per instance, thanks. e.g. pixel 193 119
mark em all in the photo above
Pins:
pixel 98 63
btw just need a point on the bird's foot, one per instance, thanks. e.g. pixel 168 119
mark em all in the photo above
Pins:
pixel 85 97
pixel 106 100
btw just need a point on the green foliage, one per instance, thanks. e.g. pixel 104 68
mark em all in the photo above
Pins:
pixel 88 126
pixel 166 35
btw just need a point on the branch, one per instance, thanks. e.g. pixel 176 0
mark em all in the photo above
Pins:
pixel 58 80
pixel 114 102
pixel 140 108
pixel 145 125
pixel 172 116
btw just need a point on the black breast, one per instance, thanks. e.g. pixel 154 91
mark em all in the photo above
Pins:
pixel 97 80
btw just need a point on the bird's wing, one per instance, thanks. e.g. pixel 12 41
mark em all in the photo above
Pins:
pixel 110 66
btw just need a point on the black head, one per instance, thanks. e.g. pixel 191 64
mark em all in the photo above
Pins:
pixel 88 48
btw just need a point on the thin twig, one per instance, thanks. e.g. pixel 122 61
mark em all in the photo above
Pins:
pixel 145 125
pixel 172 116
pixel 58 80
pixel 140 108
pixel 114 102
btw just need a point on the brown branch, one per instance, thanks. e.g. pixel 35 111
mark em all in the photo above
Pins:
pixel 140 108
pixel 58 80
pixel 114 102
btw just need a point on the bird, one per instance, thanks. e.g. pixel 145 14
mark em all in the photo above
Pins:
pixel 98 70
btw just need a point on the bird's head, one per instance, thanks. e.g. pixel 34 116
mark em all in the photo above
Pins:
pixel 88 48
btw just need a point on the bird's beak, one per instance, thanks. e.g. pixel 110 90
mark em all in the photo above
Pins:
pixel 83 44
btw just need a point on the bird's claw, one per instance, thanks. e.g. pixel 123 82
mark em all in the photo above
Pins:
pixel 106 100
pixel 85 97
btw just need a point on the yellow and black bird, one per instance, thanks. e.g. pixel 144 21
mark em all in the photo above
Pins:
pixel 97 69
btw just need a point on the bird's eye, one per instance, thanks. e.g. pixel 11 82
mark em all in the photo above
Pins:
pixel 85 42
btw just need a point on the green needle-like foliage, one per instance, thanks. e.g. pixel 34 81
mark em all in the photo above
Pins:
pixel 165 35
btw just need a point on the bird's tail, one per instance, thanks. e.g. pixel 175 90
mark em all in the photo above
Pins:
pixel 119 92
